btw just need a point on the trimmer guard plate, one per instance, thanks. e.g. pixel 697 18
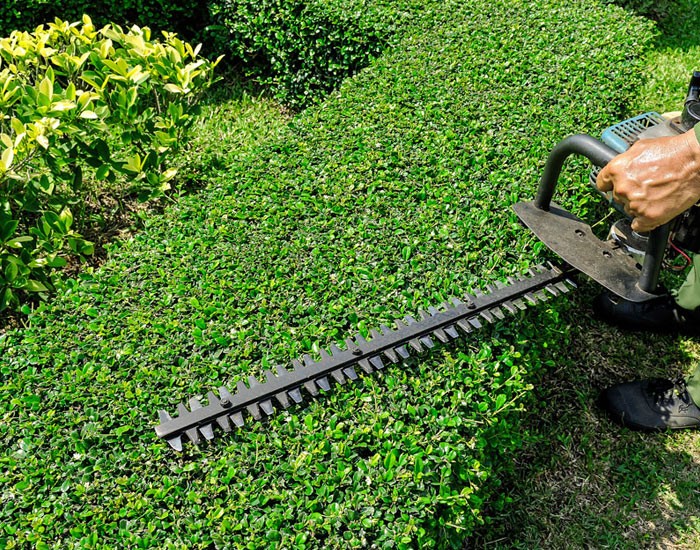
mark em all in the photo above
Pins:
pixel 574 242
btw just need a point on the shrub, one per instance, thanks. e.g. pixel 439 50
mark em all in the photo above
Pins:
pixel 82 106
pixel 301 49
pixel 185 17
pixel 655 9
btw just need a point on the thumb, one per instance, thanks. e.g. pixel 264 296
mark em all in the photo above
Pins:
pixel 604 181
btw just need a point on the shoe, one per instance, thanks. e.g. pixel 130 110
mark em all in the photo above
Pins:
pixel 660 314
pixel 652 405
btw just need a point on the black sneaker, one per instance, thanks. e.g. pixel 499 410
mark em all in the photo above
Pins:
pixel 652 405
pixel 660 314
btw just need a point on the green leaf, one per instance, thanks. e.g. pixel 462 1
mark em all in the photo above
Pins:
pixel 35 286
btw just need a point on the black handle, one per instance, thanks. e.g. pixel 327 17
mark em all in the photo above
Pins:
pixel 600 154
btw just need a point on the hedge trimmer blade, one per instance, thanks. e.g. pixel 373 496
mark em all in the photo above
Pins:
pixel 283 387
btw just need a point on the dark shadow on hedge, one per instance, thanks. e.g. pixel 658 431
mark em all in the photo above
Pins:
pixel 582 477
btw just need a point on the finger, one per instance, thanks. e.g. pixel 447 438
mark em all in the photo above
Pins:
pixel 604 181
pixel 642 225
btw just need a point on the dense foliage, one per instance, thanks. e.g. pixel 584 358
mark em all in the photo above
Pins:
pixel 391 195
pixel 185 17
pixel 657 9
pixel 83 108
pixel 301 49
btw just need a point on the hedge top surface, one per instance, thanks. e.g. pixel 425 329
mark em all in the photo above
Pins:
pixel 393 193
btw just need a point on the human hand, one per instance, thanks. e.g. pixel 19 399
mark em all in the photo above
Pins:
pixel 655 179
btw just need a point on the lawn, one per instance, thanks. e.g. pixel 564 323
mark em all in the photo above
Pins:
pixel 297 231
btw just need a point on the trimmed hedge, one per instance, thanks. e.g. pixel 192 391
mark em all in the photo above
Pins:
pixel 391 195
pixel 187 17
pixel 301 49
pixel 656 9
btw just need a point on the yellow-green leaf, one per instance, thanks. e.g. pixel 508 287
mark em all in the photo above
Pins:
pixel 8 156
pixel 42 140
pixel 173 88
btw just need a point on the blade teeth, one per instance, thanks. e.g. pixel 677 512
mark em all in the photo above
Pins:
pixel 500 285
pixel 374 333
pixel 376 362
pixel 497 313
pixel 296 364
pixel 355 346
pixel 427 342
pixel 241 388
pixel 308 360
pixel 207 431
pixel 224 423
pixel 487 316
pixel 519 304
pixel 267 407
pixel 433 310
pixel 324 354
pixel 323 383
pixel 283 399
pixel 212 399
pixel 409 320
pixel 335 350
pixel 452 332
pixel 175 443
pixel 269 376
pixel 237 419
pixel 530 298
pixel 254 411
pixel 194 404
pixel 465 326
pixel 552 290
pixel 182 410
pixel 281 371
pixel 403 352
pixel 491 288
pixel 391 355
pixel 561 287
pixel 296 396
pixel 338 376
pixel 193 435
pixel 441 335
pixel 310 387
pixel 572 283
pixel 163 416
pixel 359 339
pixel 350 373
pixel 423 314
pixel 416 345
pixel 365 366
pixel 509 307
pixel 385 329
pixel 475 323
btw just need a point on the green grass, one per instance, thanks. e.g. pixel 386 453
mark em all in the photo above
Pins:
pixel 392 194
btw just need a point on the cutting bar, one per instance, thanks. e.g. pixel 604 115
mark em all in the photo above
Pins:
pixel 283 387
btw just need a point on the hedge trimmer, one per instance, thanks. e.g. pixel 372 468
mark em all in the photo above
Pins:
pixel 626 263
